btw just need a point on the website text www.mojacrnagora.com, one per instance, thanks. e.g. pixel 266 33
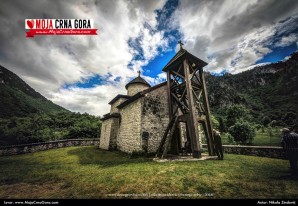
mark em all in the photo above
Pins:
pixel 30 202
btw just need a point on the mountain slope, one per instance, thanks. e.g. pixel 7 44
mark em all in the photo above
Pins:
pixel 18 99
pixel 269 90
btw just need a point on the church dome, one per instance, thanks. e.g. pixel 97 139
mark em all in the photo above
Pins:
pixel 136 85
pixel 138 80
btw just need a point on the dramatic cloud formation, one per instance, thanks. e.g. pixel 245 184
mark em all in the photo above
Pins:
pixel 83 73
pixel 236 34
pixel 48 63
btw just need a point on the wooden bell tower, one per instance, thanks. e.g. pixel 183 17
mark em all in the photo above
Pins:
pixel 188 103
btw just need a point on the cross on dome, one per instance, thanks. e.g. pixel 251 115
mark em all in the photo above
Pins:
pixel 181 44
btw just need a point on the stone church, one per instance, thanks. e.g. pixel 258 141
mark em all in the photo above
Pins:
pixel 137 120
pixel 166 117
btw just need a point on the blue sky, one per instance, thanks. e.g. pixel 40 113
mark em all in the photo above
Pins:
pixel 278 54
pixel 83 73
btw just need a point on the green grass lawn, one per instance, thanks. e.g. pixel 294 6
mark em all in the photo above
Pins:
pixel 87 172
pixel 261 139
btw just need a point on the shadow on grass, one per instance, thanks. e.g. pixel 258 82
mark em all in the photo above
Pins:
pixel 288 177
pixel 25 169
pixel 103 158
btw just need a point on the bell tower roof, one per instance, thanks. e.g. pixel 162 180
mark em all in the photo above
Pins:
pixel 180 56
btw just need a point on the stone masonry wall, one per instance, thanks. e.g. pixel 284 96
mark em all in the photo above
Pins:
pixel 128 139
pixel 109 131
pixel 154 119
pixel 114 108
pixel 104 140
pixel 135 88
pixel 114 133
pixel 260 151
pixel 35 147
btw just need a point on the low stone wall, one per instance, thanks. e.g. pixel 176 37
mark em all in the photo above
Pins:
pixel 261 151
pixel 35 147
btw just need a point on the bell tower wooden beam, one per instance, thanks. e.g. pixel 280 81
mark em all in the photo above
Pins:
pixel 169 95
pixel 192 124
pixel 209 132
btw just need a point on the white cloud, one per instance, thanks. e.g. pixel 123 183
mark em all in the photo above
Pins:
pixel 154 81
pixel 232 35
pixel 287 40
pixel 92 100
pixel 47 63
pixel 245 53
pixel 150 42
pixel 162 76
pixel 286 58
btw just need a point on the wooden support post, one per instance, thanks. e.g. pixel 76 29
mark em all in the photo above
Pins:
pixel 207 138
pixel 169 95
pixel 192 124
pixel 165 135
pixel 169 139
pixel 174 144
pixel 207 111
pixel 187 145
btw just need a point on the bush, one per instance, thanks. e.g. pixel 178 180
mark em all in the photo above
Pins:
pixel 266 120
pixel 236 113
pixel 242 132
pixel 258 127
pixel 273 123
pixel 228 139
pixel 262 129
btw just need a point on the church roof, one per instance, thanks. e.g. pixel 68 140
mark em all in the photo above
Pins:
pixel 108 116
pixel 140 94
pixel 118 97
pixel 182 54
pixel 138 80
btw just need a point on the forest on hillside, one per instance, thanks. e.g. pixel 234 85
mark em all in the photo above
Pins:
pixel 268 92
pixel 28 117
pixel 42 127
